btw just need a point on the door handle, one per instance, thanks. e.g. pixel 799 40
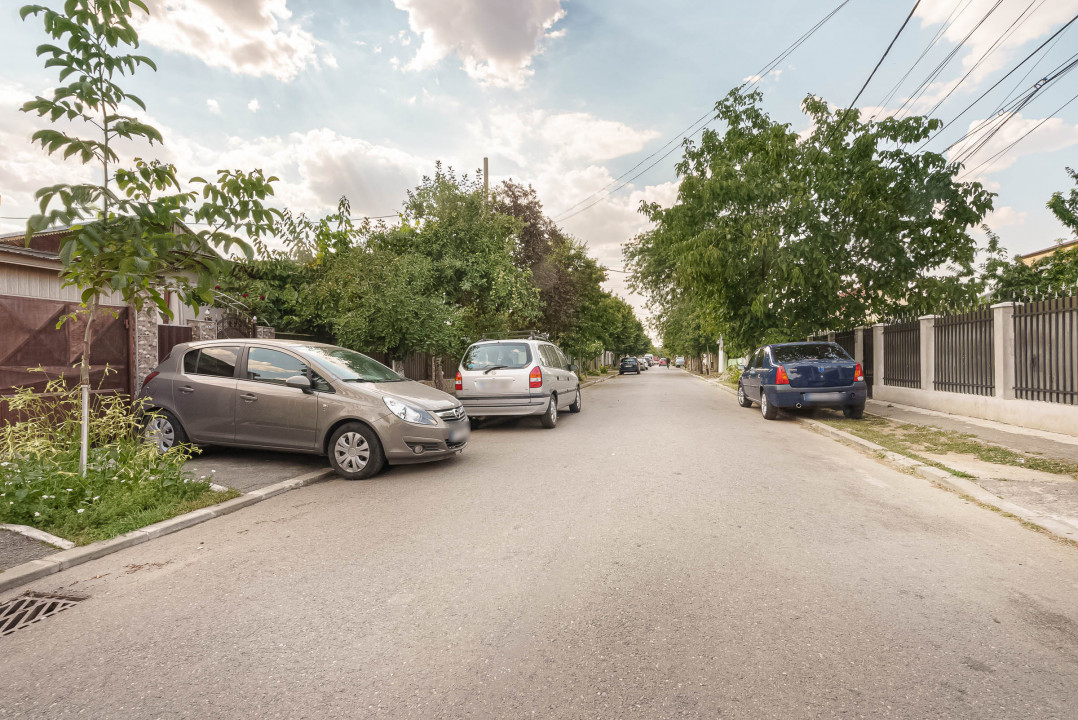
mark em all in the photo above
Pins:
pixel 248 397
pixel 186 389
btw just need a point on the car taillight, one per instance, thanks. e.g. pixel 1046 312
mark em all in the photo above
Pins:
pixel 858 373
pixel 149 377
pixel 535 378
pixel 781 378
pixel 460 381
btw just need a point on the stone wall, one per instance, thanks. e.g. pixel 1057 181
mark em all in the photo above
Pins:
pixel 203 329
pixel 264 332
pixel 145 334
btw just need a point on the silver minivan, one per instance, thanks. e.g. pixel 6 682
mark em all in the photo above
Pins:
pixel 527 376
pixel 300 397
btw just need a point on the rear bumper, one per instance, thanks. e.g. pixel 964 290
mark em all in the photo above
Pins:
pixel 493 406
pixel 784 396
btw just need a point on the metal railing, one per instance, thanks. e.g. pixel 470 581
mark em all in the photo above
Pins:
pixel 847 340
pixel 902 354
pixel 1046 350
pixel 963 353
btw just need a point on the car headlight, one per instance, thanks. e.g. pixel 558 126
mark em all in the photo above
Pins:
pixel 409 413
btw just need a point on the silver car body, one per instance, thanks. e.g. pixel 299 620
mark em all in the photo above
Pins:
pixel 251 410
pixel 498 382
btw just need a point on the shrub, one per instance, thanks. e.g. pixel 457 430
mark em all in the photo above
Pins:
pixel 128 483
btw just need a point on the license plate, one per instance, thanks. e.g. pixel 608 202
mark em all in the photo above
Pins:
pixel 458 435
pixel 832 397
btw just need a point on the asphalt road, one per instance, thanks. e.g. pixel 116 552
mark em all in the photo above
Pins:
pixel 663 554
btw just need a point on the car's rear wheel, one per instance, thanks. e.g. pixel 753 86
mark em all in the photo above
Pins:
pixel 769 411
pixel 164 431
pixel 854 412
pixel 575 407
pixel 550 417
pixel 355 452
pixel 742 398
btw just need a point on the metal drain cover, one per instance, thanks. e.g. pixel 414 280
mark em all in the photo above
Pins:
pixel 30 607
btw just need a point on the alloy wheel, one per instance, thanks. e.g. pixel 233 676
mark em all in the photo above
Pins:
pixel 160 432
pixel 352 452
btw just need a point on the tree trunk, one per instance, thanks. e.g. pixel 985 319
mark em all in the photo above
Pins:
pixel 84 382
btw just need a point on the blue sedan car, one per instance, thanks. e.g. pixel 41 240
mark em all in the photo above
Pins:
pixel 803 375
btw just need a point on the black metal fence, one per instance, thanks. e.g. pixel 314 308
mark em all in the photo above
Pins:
pixel 847 340
pixel 902 354
pixel 963 353
pixel 1046 350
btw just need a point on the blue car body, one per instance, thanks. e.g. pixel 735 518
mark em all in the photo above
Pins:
pixel 803 375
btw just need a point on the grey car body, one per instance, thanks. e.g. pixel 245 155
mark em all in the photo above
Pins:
pixel 251 393
pixel 517 377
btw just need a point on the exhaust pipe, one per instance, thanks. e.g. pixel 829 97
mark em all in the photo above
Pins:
pixel 798 406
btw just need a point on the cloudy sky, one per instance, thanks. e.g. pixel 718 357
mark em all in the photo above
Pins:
pixel 362 97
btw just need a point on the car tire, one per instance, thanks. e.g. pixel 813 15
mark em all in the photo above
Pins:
pixel 355 453
pixel 769 411
pixel 575 407
pixel 164 430
pixel 550 417
pixel 742 398
pixel 853 412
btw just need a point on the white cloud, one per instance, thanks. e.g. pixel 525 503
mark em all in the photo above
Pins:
pixel 214 106
pixel 494 40
pixel 249 37
pixel 1054 134
pixel 579 137
pixel 330 61
pixel 254 105
pixel 1005 216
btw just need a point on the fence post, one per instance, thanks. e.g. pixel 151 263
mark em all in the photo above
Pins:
pixel 830 336
pixel 859 344
pixel 928 351
pixel 1003 349
pixel 878 349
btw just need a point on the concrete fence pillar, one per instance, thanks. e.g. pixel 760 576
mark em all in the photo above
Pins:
pixel 264 332
pixel 203 329
pixel 1003 349
pixel 928 351
pixel 878 350
pixel 830 336
pixel 859 344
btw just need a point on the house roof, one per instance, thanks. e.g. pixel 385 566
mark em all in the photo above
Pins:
pixel 1038 254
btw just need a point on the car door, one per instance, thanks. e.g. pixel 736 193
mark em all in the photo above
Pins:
pixel 205 393
pixel 750 378
pixel 269 414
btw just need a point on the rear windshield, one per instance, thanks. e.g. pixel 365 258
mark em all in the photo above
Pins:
pixel 629 360
pixel 808 351
pixel 348 365
pixel 504 355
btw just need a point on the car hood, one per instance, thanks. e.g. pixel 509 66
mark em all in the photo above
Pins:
pixel 411 391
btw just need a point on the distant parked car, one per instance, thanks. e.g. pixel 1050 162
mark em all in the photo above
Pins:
pixel 629 365
pixel 643 362
pixel 801 375
pixel 679 361
pixel 663 362
pixel 525 376
pixel 300 397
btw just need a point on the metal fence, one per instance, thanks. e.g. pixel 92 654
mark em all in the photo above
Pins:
pixel 1046 350
pixel 902 354
pixel 963 353
pixel 847 340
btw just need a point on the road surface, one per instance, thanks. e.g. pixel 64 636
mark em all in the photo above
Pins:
pixel 662 554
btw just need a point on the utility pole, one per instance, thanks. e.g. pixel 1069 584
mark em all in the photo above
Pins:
pixel 486 180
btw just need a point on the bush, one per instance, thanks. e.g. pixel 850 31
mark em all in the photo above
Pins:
pixel 128 484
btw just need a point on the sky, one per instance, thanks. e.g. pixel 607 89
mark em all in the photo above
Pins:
pixel 362 97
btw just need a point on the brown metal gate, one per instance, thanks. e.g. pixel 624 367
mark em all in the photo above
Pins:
pixel 169 336
pixel 30 339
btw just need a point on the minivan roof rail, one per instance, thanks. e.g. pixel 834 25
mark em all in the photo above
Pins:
pixel 516 335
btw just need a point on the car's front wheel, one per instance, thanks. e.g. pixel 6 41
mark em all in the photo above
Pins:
pixel 742 398
pixel 854 412
pixel 769 411
pixel 355 452
pixel 550 417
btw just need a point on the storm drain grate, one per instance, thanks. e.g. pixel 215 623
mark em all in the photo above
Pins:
pixel 30 607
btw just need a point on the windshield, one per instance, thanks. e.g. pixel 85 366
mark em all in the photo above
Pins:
pixel 502 355
pixel 350 366
pixel 808 351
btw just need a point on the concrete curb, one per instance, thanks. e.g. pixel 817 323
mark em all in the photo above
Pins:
pixel 39 535
pixel 1059 526
pixel 596 381
pixel 37 569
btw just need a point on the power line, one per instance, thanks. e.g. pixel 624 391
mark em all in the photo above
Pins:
pixel 567 212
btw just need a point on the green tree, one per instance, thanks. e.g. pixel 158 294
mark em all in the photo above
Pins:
pixel 128 230
pixel 1066 208
pixel 775 235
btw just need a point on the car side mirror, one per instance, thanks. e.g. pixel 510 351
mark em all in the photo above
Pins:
pixel 741 366
pixel 572 368
pixel 300 382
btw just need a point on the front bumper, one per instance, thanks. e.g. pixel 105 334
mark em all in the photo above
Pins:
pixel 406 444
pixel 784 396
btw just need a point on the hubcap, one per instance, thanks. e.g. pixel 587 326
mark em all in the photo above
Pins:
pixel 763 403
pixel 741 394
pixel 161 433
pixel 352 452
pixel 553 410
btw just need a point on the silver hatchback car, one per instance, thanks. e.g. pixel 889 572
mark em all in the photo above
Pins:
pixel 300 397
pixel 517 377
